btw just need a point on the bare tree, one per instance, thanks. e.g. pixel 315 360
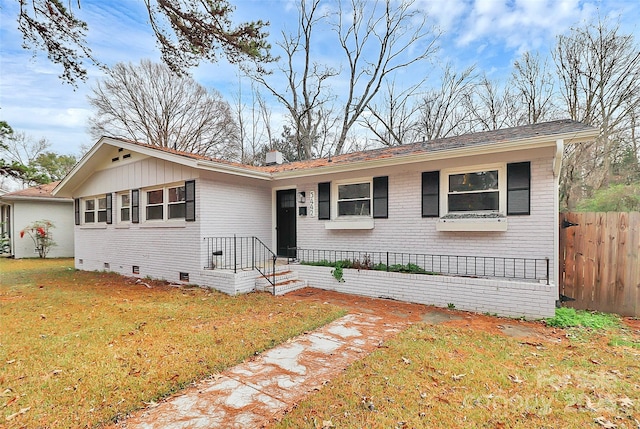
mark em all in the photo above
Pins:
pixel 445 111
pixel 377 38
pixel 391 119
pixel 254 126
pixel 533 85
pixel 307 92
pixel 492 106
pixel 18 155
pixel 24 149
pixel 377 42
pixel 187 31
pixel 599 72
pixel 147 102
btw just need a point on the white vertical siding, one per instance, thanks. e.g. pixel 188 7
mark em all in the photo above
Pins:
pixel 135 174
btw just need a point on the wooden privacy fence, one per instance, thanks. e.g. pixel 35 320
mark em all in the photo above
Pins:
pixel 599 263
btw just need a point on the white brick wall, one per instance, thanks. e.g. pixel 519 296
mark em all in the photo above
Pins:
pixel 226 281
pixel 501 297
pixel 160 249
pixel 224 206
pixel 405 230
pixel 227 205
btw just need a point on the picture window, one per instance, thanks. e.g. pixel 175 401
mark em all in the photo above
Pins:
pixel 354 199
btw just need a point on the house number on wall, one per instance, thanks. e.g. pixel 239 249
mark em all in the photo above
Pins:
pixel 312 204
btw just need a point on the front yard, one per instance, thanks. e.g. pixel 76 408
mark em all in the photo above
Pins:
pixel 467 372
pixel 79 349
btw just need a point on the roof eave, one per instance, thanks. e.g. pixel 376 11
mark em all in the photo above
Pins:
pixel 506 146
pixel 30 198
pixel 219 167
pixel 147 151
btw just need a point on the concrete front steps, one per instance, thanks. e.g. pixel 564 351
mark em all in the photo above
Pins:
pixel 286 281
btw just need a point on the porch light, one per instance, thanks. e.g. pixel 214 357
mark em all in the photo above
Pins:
pixel 302 197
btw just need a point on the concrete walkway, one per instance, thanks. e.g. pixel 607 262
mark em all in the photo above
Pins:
pixel 257 391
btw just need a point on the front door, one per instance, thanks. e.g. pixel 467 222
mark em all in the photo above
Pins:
pixel 286 221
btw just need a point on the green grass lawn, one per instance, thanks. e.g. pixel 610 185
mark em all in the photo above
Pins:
pixel 453 377
pixel 81 349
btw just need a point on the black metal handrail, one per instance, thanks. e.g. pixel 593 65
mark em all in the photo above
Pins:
pixel 241 253
pixel 470 266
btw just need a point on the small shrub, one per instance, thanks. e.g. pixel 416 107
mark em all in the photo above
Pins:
pixel 337 272
pixel 321 263
pixel 569 317
pixel 451 306
pixel 40 233
pixel 379 267
pixel 365 264
pixel 408 268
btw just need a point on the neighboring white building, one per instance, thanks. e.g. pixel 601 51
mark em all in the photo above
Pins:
pixel 478 205
pixel 21 208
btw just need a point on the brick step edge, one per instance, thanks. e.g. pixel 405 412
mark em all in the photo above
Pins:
pixel 262 282
pixel 288 286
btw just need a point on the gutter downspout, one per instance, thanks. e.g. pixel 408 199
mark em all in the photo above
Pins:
pixel 557 165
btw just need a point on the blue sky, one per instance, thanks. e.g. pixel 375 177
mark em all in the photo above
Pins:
pixel 489 33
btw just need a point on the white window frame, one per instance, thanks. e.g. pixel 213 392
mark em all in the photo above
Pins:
pixel 335 186
pixel 96 209
pixel 146 204
pixel 182 202
pixel 121 206
pixel 165 203
pixel 502 187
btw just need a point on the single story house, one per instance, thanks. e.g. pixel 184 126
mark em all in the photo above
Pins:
pixel 479 210
pixel 21 208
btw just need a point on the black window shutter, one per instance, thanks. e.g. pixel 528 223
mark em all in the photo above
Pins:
pixel 519 188
pixel 135 206
pixel 324 200
pixel 431 194
pixel 109 208
pixel 76 204
pixel 190 200
pixel 381 197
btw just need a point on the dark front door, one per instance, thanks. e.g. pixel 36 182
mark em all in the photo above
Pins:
pixel 286 221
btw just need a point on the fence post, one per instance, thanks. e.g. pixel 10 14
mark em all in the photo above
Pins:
pixel 235 255
pixel 253 253
pixel 387 261
pixel 273 273
pixel 547 258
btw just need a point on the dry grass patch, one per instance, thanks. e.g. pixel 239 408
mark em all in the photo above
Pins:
pixel 453 377
pixel 78 349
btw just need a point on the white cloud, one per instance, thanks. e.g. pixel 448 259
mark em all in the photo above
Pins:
pixel 445 14
pixel 520 24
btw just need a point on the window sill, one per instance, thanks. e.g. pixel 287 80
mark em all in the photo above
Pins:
pixel 366 223
pixel 103 226
pixel 161 224
pixel 125 226
pixel 472 224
